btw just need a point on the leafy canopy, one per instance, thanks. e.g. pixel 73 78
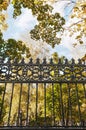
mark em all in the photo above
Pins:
pixel 46 29
pixel 48 23
pixel 13 49
pixel 79 27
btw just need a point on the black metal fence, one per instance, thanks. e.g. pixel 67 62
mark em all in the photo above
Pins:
pixel 42 94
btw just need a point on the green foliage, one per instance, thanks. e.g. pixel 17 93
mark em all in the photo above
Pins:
pixel 49 24
pixel 79 13
pixel 3 24
pixel 3 4
pixel 47 28
pixel 13 49
pixel 1 1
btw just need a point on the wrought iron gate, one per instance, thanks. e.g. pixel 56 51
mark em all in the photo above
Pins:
pixel 42 95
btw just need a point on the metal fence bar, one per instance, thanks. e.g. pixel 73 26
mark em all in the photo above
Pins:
pixel 19 118
pixel 61 102
pixel 53 109
pixel 84 87
pixel 28 103
pixel 77 97
pixel 65 121
pixel 69 104
pixel 36 116
pixel 2 103
pixel 10 104
pixel 44 104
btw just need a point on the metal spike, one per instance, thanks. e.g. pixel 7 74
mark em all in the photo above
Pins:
pixel 66 61
pixel 73 61
pixel 59 61
pixel 51 61
pixel 44 61
pixel 79 61
pixel 37 61
pixel 31 61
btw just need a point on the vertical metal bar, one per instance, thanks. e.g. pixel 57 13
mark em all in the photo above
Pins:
pixel 10 104
pixel 36 102
pixel 61 102
pixel 77 96
pixel 69 104
pixel 19 111
pixel 84 87
pixel 44 104
pixel 3 100
pixel 28 101
pixel 53 109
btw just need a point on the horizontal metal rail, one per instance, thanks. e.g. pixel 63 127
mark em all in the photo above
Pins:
pixel 43 128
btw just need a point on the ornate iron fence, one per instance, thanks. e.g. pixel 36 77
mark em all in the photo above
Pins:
pixel 42 94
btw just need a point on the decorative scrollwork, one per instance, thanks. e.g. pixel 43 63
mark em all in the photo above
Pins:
pixel 13 71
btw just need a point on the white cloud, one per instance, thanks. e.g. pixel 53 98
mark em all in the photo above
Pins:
pixel 76 52
pixel 59 7
pixel 66 48
pixel 38 49
pixel 69 40
pixel 63 7
pixel 26 20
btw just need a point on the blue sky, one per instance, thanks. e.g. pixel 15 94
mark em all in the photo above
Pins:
pixel 25 22
pixel 16 26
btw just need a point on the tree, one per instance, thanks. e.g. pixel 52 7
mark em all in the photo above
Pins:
pixel 3 24
pixel 49 24
pixel 10 48
pixel 3 6
pixel 83 58
pixel 46 29
pixel 79 15
pixel 13 49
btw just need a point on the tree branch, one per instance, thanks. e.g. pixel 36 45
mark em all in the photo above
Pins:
pixel 75 23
